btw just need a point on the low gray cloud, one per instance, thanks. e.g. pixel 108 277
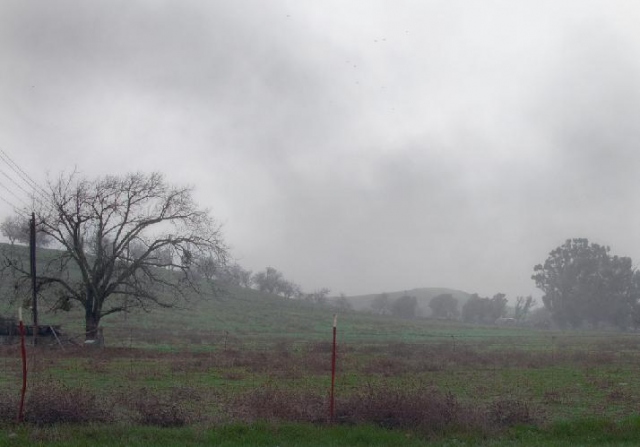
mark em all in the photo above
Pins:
pixel 356 145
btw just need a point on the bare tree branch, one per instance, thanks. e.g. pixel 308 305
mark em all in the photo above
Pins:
pixel 95 223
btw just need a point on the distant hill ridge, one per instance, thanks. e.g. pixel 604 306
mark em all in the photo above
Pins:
pixel 423 295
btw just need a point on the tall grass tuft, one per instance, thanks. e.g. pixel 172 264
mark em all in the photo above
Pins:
pixel 53 403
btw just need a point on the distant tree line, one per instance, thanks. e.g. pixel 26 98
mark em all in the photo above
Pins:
pixel 476 309
pixel 405 306
pixel 484 310
pixel 583 285
pixel 272 281
pixel 444 306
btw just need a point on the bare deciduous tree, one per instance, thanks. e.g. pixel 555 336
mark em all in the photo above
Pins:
pixel 125 242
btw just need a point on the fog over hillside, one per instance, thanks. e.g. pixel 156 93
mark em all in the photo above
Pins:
pixel 423 296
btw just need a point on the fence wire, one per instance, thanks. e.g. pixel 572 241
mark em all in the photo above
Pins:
pixel 561 374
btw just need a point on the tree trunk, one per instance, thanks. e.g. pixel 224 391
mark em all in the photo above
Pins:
pixel 92 316
pixel 91 325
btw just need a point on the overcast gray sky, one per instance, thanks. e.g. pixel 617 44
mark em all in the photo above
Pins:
pixel 362 145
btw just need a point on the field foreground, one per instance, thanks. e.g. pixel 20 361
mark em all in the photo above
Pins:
pixel 256 370
pixel 592 432
pixel 498 389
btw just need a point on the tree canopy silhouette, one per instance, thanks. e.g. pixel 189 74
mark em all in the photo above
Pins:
pixel 582 283
pixel 124 242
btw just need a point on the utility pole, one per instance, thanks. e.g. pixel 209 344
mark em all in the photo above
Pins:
pixel 32 259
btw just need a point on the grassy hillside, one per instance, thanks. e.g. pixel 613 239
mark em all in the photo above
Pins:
pixel 246 315
pixel 424 296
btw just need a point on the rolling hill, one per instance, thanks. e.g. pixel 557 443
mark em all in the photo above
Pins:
pixel 237 314
pixel 423 295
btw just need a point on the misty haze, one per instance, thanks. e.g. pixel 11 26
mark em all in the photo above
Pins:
pixel 456 181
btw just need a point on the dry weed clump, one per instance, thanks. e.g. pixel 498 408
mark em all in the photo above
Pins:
pixel 270 403
pixel 191 365
pixel 553 397
pixel 388 367
pixel 317 362
pixel 510 412
pixel 281 362
pixel 277 363
pixel 321 347
pixel 427 410
pixel 172 409
pixel 9 403
pixel 53 403
pixel 405 358
pixel 581 357
pixel 618 395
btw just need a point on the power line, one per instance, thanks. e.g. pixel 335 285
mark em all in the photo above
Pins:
pixel 34 198
pixel 15 208
pixel 38 194
pixel 15 183
pixel 21 173
pixel 13 194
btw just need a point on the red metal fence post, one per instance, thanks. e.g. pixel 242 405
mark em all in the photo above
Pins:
pixel 333 372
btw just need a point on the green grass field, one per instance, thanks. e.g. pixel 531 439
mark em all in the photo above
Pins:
pixel 243 368
pixel 593 432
